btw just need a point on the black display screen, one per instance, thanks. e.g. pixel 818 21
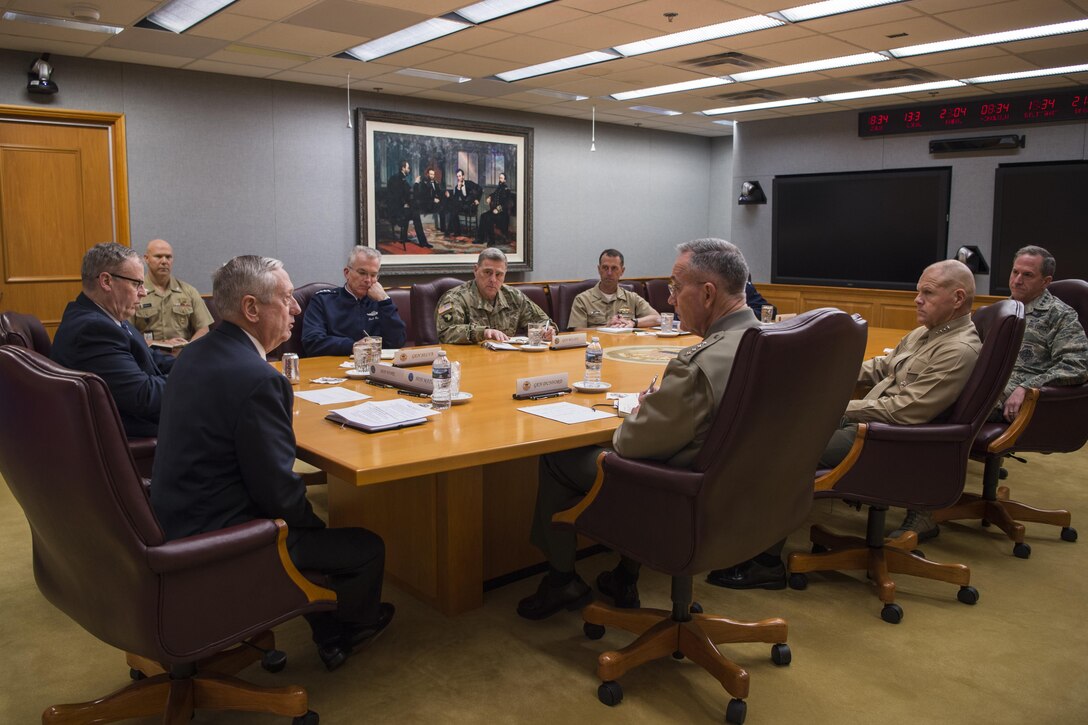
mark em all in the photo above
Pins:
pixel 990 112
pixel 863 229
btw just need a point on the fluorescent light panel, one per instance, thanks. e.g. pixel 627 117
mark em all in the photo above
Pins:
pixel 1083 68
pixel 433 75
pixel 411 36
pixel 916 88
pixel 554 66
pixel 63 23
pixel 655 109
pixel 557 94
pixel 758 106
pixel 809 67
pixel 830 7
pixel 1041 31
pixel 482 12
pixel 725 122
pixel 698 35
pixel 671 88
pixel 180 15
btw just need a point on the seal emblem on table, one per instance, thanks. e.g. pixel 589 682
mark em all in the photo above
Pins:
pixel 643 354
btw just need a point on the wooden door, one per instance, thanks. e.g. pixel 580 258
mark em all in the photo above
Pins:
pixel 63 189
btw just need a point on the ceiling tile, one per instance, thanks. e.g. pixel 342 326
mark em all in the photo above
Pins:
pixel 231 68
pixel 161 41
pixel 342 16
pixel 524 51
pixel 121 55
pixel 594 32
pixel 537 18
pixel 246 60
pixel 469 39
pixel 115 12
pixel 34 45
pixel 1009 15
pixel 226 26
pixel 465 64
pixel 690 14
pixel 269 9
pixel 304 40
pixel 341 67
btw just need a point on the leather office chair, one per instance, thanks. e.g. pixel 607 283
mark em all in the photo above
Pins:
pixel 424 297
pixel 100 557
pixel 538 293
pixel 303 295
pixel 563 295
pixel 740 495
pixel 914 467
pixel 402 298
pixel 209 302
pixel 25 331
pixel 657 294
pixel 1051 420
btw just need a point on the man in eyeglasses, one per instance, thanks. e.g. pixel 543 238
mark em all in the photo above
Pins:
pixel 95 336
pixel 336 318
pixel 173 313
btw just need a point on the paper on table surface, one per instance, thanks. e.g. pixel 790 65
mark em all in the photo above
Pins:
pixel 496 345
pixel 615 330
pixel 385 412
pixel 328 396
pixel 566 412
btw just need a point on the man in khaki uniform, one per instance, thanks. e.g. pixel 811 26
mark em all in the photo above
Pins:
pixel 485 308
pixel 607 303
pixel 670 424
pixel 913 384
pixel 173 311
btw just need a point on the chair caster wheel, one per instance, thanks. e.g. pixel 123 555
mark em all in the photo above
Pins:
pixel 798 581
pixel 781 654
pixel 736 711
pixel 610 693
pixel 892 613
pixel 1021 551
pixel 593 631
pixel 678 655
pixel 1069 533
pixel 274 660
pixel 967 595
pixel 310 718
pixel 697 608
pixel 136 674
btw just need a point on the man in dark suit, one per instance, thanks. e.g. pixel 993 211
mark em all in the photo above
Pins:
pixel 94 336
pixel 226 450
pixel 429 194
pixel 463 199
pixel 497 215
pixel 402 207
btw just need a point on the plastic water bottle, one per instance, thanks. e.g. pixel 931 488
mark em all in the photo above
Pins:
pixel 440 372
pixel 594 355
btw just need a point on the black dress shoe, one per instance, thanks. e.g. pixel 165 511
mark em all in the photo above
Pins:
pixel 750 575
pixel 426 245
pixel 623 593
pixel 549 599
pixel 337 652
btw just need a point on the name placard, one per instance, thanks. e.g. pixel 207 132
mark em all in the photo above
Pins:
pixel 569 339
pixel 403 379
pixel 540 385
pixel 408 357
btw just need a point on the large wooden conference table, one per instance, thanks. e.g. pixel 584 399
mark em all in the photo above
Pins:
pixel 453 498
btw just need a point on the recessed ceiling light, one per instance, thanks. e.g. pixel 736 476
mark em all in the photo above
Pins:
pixel 758 106
pixel 1083 68
pixel 62 23
pixel 656 110
pixel 809 67
pixel 830 7
pixel 725 122
pixel 557 94
pixel 1008 36
pixel 698 35
pixel 411 36
pixel 671 88
pixel 917 87
pixel 178 16
pixel 487 10
pixel 555 66
pixel 433 75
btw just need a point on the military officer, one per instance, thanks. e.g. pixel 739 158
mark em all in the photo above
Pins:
pixel 670 424
pixel 173 311
pixel 606 303
pixel 485 308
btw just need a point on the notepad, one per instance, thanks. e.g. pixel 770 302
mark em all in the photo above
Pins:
pixel 381 415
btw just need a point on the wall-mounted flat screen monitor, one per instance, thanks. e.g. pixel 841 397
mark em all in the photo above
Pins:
pixel 859 229
pixel 1045 205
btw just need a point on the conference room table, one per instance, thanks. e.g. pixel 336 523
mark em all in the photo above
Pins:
pixel 453 498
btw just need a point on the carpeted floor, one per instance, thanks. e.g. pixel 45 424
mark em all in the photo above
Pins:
pixel 1014 658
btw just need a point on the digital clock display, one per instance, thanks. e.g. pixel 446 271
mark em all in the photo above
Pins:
pixel 1042 107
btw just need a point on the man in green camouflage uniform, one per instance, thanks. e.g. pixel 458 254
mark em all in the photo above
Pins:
pixel 485 308
pixel 1055 349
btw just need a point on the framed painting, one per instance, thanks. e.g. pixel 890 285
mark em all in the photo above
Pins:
pixel 433 192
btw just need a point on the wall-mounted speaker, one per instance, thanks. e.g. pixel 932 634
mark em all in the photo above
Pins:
pixel 978 143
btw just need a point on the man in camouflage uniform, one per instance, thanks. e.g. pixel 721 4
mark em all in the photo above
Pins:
pixel 1055 349
pixel 485 308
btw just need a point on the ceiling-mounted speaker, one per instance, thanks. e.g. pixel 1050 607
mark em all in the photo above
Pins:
pixel 978 143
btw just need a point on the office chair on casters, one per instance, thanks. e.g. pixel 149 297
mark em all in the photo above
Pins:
pixel 25 331
pixel 914 467
pixel 187 608
pixel 788 387
pixel 1051 420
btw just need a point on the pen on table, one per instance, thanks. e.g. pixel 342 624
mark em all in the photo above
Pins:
pixel 414 395
pixel 548 395
pixel 378 385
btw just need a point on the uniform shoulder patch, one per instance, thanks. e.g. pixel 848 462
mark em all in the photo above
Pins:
pixel 689 353
pixel 445 308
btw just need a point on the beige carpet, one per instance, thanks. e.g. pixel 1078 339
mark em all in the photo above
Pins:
pixel 1016 657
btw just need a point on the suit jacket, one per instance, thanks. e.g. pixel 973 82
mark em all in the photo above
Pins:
pixel 226 446
pixel 462 199
pixel 426 193
pixel 400 193
pixel 88 339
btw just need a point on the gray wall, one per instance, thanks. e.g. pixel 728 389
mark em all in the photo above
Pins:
pixel 224 165
pixel 829 143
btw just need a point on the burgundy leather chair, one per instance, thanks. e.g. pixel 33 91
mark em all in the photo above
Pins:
pixel 424 298
pixel 101 558
pixel 402 298
pixel 914 467
pixel 25 331
pixel 563 295
pixel 303 295
pixel 1051 420
pixel 538 293
pixel 785 394
pixel 657 294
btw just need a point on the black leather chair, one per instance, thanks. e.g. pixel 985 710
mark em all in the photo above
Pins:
pixel 402 298
pixel 424 297
pixel 1051 420
pixel 303 295
pixel 25 331
pixel 101 558
pixel 914 467
pixel 740 495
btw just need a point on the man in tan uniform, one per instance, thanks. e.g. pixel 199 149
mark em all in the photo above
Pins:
pixel 485 308
pixel 670 425
pixel 173 311
pixel 607 303
pixel 913 384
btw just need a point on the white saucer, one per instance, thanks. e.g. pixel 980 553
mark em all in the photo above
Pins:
pixel 583 387
pixel 518 340
pixel 535 348
pixel 462 397
pixel 674 333
pixel 357 374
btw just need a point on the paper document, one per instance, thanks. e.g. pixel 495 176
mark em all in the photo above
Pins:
pixel 615 330
pixel 496 345
pixel 381 415
pixel 566 412
pixel 328 396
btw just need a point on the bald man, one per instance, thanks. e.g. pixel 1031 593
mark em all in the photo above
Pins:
pixel 173 311
pixel 913 384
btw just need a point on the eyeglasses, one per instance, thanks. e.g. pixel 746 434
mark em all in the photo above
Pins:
pixel 137 283
pixel 674 287
pixel 364 273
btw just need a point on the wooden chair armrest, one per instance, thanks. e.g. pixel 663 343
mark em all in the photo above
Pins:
pixel 312 591
pixel 1008 439
pixel 568 517
pixel 829 479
